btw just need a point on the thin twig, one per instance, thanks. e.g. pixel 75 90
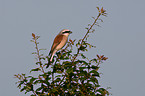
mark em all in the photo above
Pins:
pixel 86 36
pixel 38 54
pixel 61 80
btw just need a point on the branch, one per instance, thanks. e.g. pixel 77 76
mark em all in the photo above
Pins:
pixel 86 36
pixel 38 54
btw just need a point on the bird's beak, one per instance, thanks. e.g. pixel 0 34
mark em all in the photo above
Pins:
pixel 70 32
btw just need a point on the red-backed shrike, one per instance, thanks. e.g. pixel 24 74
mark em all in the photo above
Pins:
pixel 59 42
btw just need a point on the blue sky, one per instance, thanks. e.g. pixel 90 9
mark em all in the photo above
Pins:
pixel 121 38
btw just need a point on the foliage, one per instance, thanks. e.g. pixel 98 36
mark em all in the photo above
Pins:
pixel 69 74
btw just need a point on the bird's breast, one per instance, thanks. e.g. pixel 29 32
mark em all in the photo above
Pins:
pixel 62 43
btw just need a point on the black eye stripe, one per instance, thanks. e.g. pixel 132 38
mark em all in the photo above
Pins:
pixel 66 32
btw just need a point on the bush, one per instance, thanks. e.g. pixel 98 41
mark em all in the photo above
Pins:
pixel 70 74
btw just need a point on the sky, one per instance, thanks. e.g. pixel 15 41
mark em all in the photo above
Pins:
pixel 121 38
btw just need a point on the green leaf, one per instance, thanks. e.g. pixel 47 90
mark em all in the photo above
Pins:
pixel 103 91
pixel 24 88
pixel 42 49
pixel 81 68
pixel 66 58
pixel 32 79
pixel 38 63
pixel 94 80
pixel 23 75
pixel 34 53
pixel 98 8
pixel 58 76
pixel 83 56
pixel 81 61
pixel 22 82
pixel 57 80
pixel 58 71
pixel 39 81
pixel 38 89
pixel 42 58
pixel 32 40
pixel 82 48
pixel 69 70
pixel 94 60
pixel 36 69
pixel 95 73
pixel 83 73
pixel 67 64
pixel 29 77
pixel 95 67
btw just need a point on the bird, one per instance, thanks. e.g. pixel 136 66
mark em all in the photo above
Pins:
pixel 58 43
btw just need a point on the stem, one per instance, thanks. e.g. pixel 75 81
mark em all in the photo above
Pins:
pixel 91 27
pixel 39 59
pixel 86 36
pixel 53 79
pixel 34 93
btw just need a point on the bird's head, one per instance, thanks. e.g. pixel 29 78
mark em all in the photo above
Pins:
pixel 65 32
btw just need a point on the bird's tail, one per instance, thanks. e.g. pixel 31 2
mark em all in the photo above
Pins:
pixel 51 54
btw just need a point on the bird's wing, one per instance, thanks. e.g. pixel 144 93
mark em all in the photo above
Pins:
pixel 56 42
